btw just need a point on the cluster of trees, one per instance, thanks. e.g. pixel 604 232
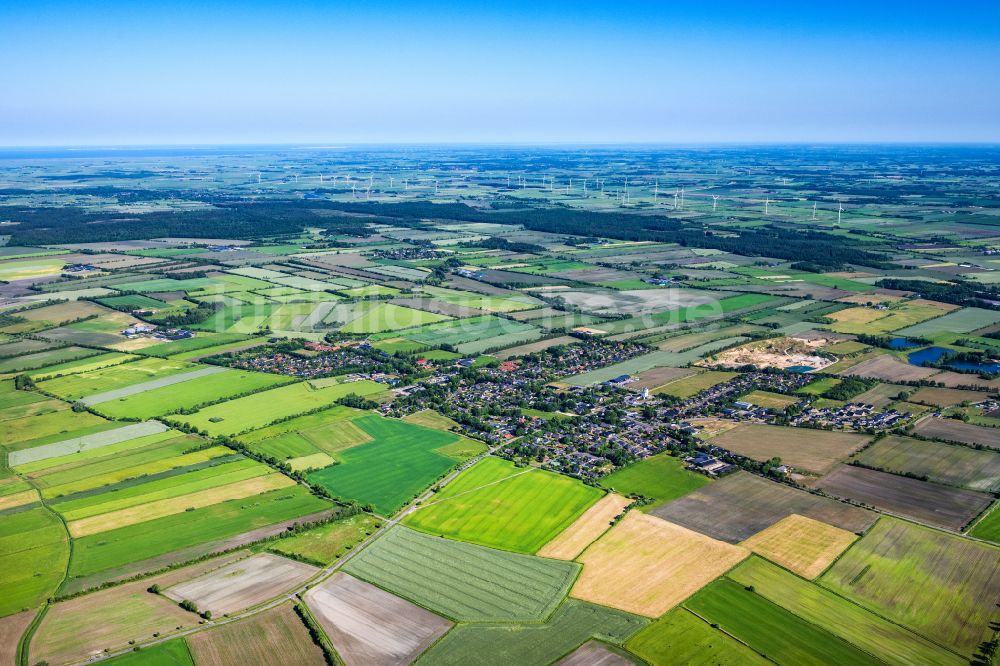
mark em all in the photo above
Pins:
pixel 958 292
pixel 849 387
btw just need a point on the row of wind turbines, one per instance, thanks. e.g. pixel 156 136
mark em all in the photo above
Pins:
pixel 586 186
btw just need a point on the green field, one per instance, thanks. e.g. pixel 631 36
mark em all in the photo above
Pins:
pixel 114 548
pixel 159 489
pixel 661 478
pixel 261 409
pixel 572 624
pixel 989 527
pixel 494 503
pixel 188 394
pixel 462 581
pixel 377 317
pixel 82 384
pixel 959 321
pixel 170 653
pixel 770 629
pixel 44 358
pixel 158 458
pixel 31 431
pixel 856 625
pixel 955 600
pixel 687 387
pixel 132 302
pixel 394 467
pixel 82 365
pixel 681 638
pixel 34 549
pixel 328 542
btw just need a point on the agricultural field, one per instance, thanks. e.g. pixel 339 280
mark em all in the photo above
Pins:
pixel 34 550
pixel 948 464
pixel 661 478
pixel 390 631
pixel 682 637
pixel 851 622
pixel 145 540
pixel 392 427
pixel 76 629
pixel 497 504
pixel 257 640
pixel 735 508
pixel 813 451
pixel 323 544
pixel 770 629
pixel 186 392
pixel 802 545
pixel 964 320
pixel 394 462
pixel 462 581
pixel 594 522
pixel 261 409
pixel 694 384
pixel 673 562
pixel 243 584
pixel 950 430
pixel 950 508
pixel 573 623
pixel 959 581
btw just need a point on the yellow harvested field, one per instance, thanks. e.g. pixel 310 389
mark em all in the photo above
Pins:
pixel 174 505
pixel 586 529
pixel 314 461
pixel 801 544
pixel 672 562
pixel 18 499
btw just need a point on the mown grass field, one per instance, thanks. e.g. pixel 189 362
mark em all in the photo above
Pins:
pixel 400 461
pixel 770 629
pixel 956 597
pixel 572 624
pixel 101 380
pixel 34 549
pixel 870 632
pixel 661 478
pixel 117 547
pixel 463 581
pixel 494 503
pixel 679 637
pixel 260 409
pixel 185 395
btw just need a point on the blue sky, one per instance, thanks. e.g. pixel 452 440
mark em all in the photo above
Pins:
pixel 108 73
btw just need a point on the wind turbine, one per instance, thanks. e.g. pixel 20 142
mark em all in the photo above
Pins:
pixel 682 198
pixel 814 211
pixel 840 211
pixel 675 200
pixel 715 201
pixel 656 189
pixel 767 203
